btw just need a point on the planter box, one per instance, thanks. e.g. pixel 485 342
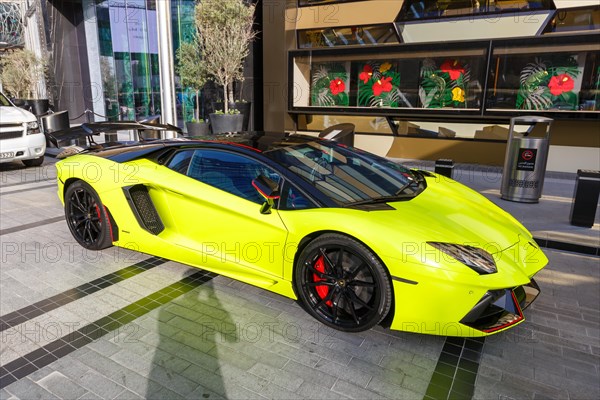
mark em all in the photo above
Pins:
pixel 197 128
pixel 243 107
pixel 222 123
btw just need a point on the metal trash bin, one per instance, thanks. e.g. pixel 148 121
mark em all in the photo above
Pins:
pixel 341 133
pixel 585 198
pixel 525 160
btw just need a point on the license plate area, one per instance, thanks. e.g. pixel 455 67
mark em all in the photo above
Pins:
pixel 7 154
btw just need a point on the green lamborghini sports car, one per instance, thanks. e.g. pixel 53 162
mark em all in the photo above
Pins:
pixel 357 239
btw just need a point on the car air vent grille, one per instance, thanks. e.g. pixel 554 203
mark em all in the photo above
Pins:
pixel 144 209
pixel 10 134
pixel 499 309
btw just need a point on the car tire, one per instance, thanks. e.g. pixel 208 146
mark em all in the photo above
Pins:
pixel 35 162
pixel 341 283
pixel 86 217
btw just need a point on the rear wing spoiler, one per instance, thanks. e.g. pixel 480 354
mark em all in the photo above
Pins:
pixel 89 130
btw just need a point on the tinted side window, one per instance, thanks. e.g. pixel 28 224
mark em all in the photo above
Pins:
pixel 181 161
pixel 293 199
pixel 229 172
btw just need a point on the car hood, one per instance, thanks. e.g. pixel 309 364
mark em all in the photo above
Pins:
pixel 447 211
pixel 15 115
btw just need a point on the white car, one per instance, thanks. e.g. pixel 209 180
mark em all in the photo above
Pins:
pixel 20 136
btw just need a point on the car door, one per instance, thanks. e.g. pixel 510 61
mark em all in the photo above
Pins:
pixel 216 210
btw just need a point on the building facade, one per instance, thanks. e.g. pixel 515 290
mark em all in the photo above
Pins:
pixel 438 79
pixel 104 55
pixel 420 79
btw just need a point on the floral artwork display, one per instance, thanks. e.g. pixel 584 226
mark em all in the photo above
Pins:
pixel 444 86
pixel 329 85
pixel 549 84
pixel 378 85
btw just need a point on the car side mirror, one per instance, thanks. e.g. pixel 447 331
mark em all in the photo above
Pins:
pixel 267 188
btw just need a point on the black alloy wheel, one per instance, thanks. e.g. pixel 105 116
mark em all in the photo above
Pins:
pixel 86 216
pixel 341 283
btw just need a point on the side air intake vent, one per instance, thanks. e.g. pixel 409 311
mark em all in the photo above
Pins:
pixel 144 209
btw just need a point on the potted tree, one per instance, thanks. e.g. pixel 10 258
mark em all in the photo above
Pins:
pixel 225 32
pixel 192 71
pixel 23 77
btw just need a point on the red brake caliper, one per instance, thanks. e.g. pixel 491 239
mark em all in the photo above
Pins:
pixel 322 291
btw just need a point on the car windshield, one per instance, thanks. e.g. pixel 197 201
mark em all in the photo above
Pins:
pixel 4 101
pixel 347 175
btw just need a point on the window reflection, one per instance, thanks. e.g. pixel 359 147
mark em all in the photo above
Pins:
pixel 422 9
pixel 578 19
pixel 347 36
pixel 232 173
pixel 128 40
pixel 344 175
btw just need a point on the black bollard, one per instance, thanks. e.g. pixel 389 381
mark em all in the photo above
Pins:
pixel 444 167
pixel 585 198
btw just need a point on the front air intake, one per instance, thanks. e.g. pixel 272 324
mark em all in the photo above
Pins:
pixel 499 309
pixel 143 208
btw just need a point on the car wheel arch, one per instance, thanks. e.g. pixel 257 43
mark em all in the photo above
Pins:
pixel 114 225
pixel 315 235
pixel 68 183
pixel 89 203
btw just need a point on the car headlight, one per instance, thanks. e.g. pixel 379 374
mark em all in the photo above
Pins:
pixel 33 127
pixel 475 258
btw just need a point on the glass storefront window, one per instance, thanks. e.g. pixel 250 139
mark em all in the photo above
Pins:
pixel 577 19
pixel 184 28
pixel 128 39
pixel 107 63
pixel 11 25
pixel 545 78
pixel 347 36
pixel 140 24
pixel 554 75
pixel 418 78
pixel 425 9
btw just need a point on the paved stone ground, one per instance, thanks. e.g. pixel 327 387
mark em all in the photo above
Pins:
pixel 225 339
pixel 556 352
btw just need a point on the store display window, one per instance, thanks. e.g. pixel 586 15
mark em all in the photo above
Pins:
pixel 552 77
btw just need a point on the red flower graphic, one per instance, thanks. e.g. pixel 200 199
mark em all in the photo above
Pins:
pixel 337 86
pixel 366 74
pixel 382 85
pixel 560 84
pixel 453 68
